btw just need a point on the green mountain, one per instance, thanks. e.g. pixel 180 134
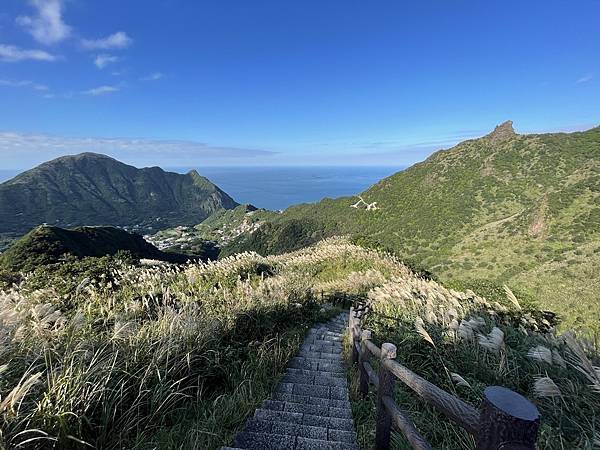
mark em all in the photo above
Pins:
pixel 47 244
pixel 92 189
pixel 507 208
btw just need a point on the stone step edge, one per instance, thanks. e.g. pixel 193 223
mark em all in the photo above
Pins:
pixel 300 440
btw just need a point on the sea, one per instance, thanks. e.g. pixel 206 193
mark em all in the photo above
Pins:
pixel 276 188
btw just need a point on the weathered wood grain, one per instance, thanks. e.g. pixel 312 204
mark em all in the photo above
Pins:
pixel 387 383
pixel 452 407
pixel 508 421
pixel 405 425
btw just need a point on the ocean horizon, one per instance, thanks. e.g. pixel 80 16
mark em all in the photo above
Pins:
pixel 276 187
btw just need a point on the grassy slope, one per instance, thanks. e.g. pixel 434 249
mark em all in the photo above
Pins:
pixel 160 357
pixel 178 357
pixel 521 209
pixel 46 245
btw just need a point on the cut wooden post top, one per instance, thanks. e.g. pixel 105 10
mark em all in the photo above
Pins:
pixel 388 351
pixel 511 403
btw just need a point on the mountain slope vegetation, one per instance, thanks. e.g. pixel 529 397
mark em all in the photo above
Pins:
pixel 508 208
pixel 93 189
pixel 47 245
pixel 220 228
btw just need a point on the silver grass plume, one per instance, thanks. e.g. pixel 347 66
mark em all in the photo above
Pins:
pixel 419 326
pixel 546 387
pixel 511 296
pixel 460 381
pixel 540 353
pixel 493 342
pixel 579 360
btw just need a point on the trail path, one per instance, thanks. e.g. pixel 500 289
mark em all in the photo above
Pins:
pixel 310 409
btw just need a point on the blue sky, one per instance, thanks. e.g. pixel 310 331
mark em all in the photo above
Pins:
pixel 271 82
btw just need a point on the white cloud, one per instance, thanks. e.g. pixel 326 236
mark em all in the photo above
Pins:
pixel 22 150
pixel 12 53
pixel 104 60
pixel 153 77
pixel 101 90
pixel 114 41
pixel 24 83
pixel 585 78
pixel 47 27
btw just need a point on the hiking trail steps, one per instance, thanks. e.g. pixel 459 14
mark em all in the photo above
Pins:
pixel 310 409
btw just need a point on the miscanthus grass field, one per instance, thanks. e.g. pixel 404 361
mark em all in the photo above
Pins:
pixel 116 353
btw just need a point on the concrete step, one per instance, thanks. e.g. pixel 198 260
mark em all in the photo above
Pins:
pixel 289 429
pixel 266 441
pixel 334 392
pixel 320 355
pixel 321 349
pixel 311 444
pixel 320 365
pixel 308 373
pixel 315 410
pixel 336 423
pixel 315 379
pixel 304 399
pixel 293 429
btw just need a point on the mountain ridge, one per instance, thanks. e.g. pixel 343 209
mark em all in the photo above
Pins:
pixel 522 209
pixel 94 189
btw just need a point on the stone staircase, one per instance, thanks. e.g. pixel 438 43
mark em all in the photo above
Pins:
pixel 310 409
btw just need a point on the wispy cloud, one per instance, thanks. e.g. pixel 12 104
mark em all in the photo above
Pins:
pixel 104 59
pixel 25 84
pixel 153 77
pixel 47 26
pixel 12 53
pixel 101 90
pixel 585 78
pixel 117 40
pixel 22 150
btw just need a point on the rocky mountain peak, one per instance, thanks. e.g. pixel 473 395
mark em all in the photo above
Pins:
pixel 502 132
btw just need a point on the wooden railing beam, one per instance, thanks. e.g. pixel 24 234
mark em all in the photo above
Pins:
pixel 452 407
pixel 405 425
pixel 375 351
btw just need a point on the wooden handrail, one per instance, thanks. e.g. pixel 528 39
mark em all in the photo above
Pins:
pixel 375 351
pixel 404 424
pixel 506 421
pixel 452 407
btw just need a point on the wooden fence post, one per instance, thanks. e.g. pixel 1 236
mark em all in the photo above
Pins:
pixel 386 389
pixel 363 387
pixel 353 338
pixel 508 421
